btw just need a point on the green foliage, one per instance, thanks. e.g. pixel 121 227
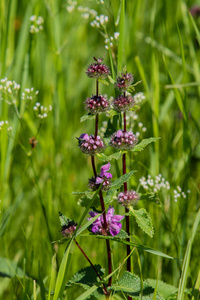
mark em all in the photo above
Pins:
pixel 143 144
pixel 119 181
pixel 10 269
pixel 143 220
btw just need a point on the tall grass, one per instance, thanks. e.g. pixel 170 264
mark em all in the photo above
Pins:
pixel 160 46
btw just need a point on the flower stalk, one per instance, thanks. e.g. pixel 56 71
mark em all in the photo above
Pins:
pixel 104 287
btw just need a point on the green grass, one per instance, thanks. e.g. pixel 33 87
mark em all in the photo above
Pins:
pixel 160 46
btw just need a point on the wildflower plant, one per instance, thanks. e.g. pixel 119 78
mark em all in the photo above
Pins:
pixel 107 195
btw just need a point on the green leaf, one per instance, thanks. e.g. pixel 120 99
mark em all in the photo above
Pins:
pixel 143 220
pixel 62 273
pixel 144 143
pixel 8 268
pixel 64 220
pixel 139 246
pixel 87 293
pixel 87 225
pixel 186 261
pixel 103 81
pixel 87 117
pixel 112 113
pixel 119 181
pixel 116 155
pixel 131 285
pixel 86 277
pixel 163 288
pixel 111 79
pixel 111 195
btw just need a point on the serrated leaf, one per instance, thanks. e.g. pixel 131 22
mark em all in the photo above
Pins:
pixel 111 79
pixel 64 220
pixel 119 181
pixel 150 197
pixel 87 117
pixel 116 155
pixel 112 113
pixel 83 201
pixel 122 235
pixel 87 276
pixel 163 288
pixel 134 108
pixel 131 285
pixel 143 220
pixel 103 81
pixel 143 144
pixel 111 194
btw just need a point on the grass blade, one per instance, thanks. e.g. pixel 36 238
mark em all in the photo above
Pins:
pixel 186 261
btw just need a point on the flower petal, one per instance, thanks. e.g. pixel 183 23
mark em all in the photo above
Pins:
pixel 84 136
pixel 104 169
pixel 119 133
pixel 99 180
pixel 117 218
pixel 114 229
pixel 108 175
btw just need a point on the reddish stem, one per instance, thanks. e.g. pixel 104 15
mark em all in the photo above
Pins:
pixel 104 288
pixel 96 126
pixel 93 166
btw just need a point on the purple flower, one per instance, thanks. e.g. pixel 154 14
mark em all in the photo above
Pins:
pixel 124 81
pixel 128 198
pixel 123 103
pixel 104 177
pixel 97 104
pixel 113 223
pixel 90 145
pixel 97 69
pixel 123 140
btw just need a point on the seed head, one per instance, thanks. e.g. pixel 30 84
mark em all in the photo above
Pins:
pixel 124 81
pixel 90 145
pixel 123 103
pixel 123 140
pixel 96 104
pixel 128 198
pixel 97 69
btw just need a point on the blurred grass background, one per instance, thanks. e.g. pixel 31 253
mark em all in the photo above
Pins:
pixel 161 48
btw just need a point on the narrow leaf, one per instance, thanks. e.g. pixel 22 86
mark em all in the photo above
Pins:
pixel 62 274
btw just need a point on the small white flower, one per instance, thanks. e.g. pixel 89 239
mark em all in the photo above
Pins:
pixel 33 18
pixel 116 35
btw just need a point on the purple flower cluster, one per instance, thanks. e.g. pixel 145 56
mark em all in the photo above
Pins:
pixel 90 145
pixel 113 223
pixel 124 81
pixel 97 70
pixel 128 198
pixel 104 177
pixel 123 140
pixel 96 104
pixel 123 103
